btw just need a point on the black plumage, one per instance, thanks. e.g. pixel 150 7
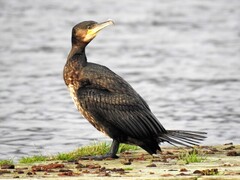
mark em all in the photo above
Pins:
pixel 110 104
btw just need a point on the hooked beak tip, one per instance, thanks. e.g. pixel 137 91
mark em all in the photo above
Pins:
pixel 111 21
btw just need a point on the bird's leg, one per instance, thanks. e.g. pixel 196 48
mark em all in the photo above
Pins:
pixel 113 149
pixel 111 154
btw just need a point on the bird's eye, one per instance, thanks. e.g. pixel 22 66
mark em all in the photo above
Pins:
pixel 88 27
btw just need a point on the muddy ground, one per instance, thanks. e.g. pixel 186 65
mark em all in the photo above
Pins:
pixel 219 162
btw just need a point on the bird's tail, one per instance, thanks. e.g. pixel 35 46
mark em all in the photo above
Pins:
pixel 181 137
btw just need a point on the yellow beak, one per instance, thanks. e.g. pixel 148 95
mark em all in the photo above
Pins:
pixel 93 31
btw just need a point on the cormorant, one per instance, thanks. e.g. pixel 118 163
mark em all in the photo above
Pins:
pixel 110 104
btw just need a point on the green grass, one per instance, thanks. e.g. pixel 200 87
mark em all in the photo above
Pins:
pixel 94 149
pixel 6 162
pixel 191 157
pixel 33 159
pixel 127 147
pixel 128 169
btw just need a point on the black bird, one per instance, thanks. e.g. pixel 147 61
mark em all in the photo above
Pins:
pixel 110 104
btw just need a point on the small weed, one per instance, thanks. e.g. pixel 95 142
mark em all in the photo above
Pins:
pixel 33 159
pixel 191 157
pixel 6 162
pixel 128 169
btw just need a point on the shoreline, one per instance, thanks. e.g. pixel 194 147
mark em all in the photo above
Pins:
pixel 208 162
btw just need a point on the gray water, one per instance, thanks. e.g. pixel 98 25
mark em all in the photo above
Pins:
pixel 183 57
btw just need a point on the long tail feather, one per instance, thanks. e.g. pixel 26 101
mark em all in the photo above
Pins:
pixel 181 137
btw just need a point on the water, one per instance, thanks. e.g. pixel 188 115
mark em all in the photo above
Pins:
pixel 183 57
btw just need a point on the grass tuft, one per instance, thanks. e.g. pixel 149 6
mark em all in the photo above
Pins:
pixel 91 150
pixel 127 147
pixel 33 159
pixel 64 156
pixel 6 162
pixel 191 157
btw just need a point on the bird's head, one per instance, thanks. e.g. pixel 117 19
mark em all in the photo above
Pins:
pixel 85 31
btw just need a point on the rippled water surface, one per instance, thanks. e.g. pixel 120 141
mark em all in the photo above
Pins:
pixel 183 57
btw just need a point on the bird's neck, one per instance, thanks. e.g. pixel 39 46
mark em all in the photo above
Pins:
pixel 77 53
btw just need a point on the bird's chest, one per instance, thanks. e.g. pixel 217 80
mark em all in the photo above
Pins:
pixel 71 77
pixel 73 94
pixel 83 111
